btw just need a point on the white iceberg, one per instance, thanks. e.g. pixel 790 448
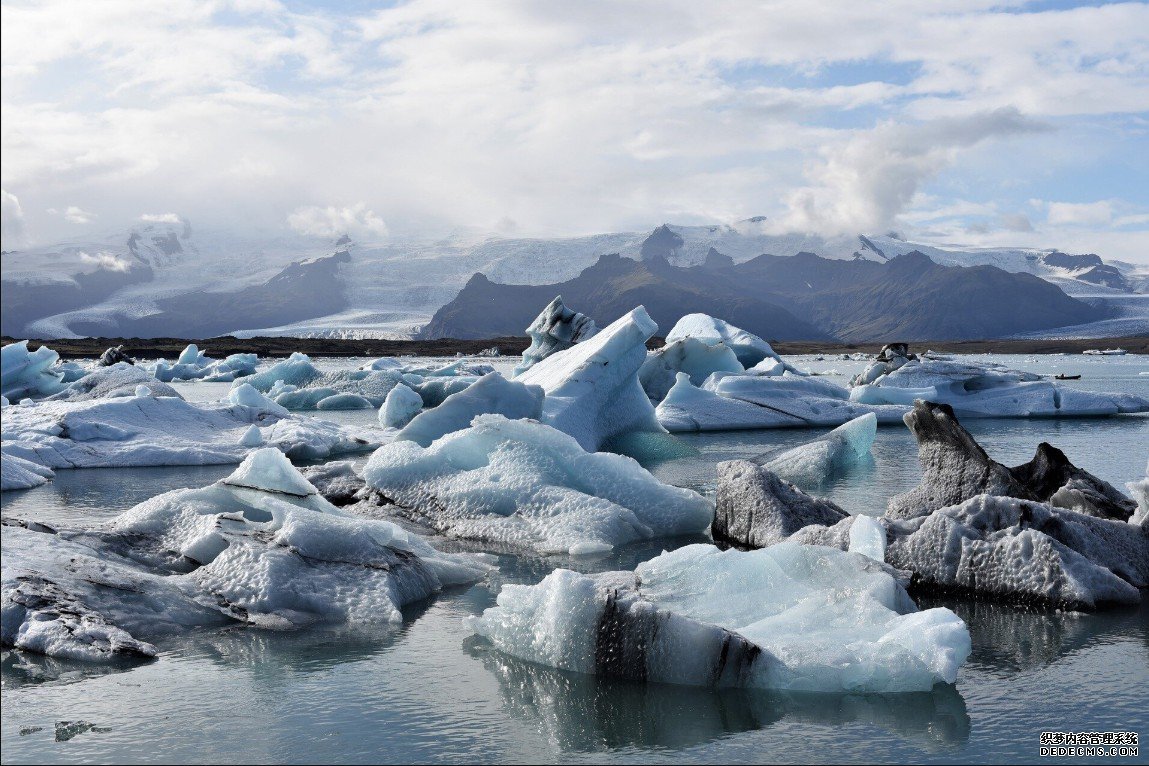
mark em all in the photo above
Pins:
pixel 401 405
pixel 260 547
pixel 150 431
pixel 982 391
pixel 556 328
pixel 1140 491
pixel 811 464
pixel 689 355
pixel 748 347
pixel 592 389
pixel 490 394
pixel 20 473
pixel 789 617
pixel 523 484
pixel 118 380
pixel 25 373
pixel 194 364
pixel 728 402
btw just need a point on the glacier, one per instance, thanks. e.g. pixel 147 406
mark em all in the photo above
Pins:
pixel 789 617
pixel 260 548
pixel 523 484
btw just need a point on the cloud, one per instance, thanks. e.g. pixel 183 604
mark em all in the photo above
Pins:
pixel 160 218
pixel 77 215
pixel 865 183
pixel 1018 222
pixel 11 220
pixel 1080 214
pixel 356 221
pixel 107 261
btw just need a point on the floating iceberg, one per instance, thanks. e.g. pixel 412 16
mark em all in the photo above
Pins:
pixel 592 389
pixel 491 393
pixel 983 391
pixel 25 373
pixel 728 402
pixel 194 364
pixel 689 355
pixel 21 473
pixel 114 355
pixel 749 348
pixel 556 328
pixel 1140 490
pixel 523 484
pixel 260 547
pixel 297 370
pixel 755 507
pixel 149 430
pixel 811 464
pixel 401 405
pixel 118 380
pixel 956 468
pixel 786 617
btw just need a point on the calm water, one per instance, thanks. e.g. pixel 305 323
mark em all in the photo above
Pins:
pixel 426 691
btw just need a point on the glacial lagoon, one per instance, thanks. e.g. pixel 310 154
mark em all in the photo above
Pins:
pixel 427 690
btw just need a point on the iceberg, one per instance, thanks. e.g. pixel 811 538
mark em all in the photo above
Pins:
pixel 749 348
pixel 1140 491
pixel 28 374
pixel 20 473
pixel 592 389
pixel 401 405
pixel 811 464
pixel 151 431
pixel 114 355
pixel 689 355
pixel 728 402
pixel 118 380
pixel 260 547
pixel 491 393
pixel 956 468
pixel 194 364
pixel 297 370
pixel 556 328
pixel 754 507
pixel 984 391
pixel 525 485
pixel 792 617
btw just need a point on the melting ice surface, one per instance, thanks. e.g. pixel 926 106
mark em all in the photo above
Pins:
pixel 353 696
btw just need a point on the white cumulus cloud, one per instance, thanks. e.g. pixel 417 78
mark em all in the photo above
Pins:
pixel 11 220
pixel 356 221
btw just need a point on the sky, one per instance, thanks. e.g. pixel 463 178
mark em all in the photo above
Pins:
pixel 973 122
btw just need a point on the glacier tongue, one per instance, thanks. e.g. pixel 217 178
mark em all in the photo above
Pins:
pixel 785 617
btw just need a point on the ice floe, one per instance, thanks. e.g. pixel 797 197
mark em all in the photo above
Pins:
pixel 260 548
pixel 785 617
pixel 523 484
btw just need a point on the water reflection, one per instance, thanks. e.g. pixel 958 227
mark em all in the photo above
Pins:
pixel 582 713
pixel 20 669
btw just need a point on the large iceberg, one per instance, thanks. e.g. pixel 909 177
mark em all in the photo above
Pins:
pixel 749 348
pixel 260 547
pixel 985 391
pixel 28 374
pixel 727 402
pixel 109 382
pixel 523 484
pixel 592 389
pixel 146 430
pixel 687 355
pixel 556 328
pixel 21 473
pixel 789 617
pixel 812 463
pixel 491 393
pixel 956 468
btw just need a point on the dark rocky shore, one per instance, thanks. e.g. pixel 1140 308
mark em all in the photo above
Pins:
pixel 148 348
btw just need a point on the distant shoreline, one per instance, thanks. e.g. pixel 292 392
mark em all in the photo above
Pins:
pixel 150 348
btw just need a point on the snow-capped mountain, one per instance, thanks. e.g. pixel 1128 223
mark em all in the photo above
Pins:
pixel 131 281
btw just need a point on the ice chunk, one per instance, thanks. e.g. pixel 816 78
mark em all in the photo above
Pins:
pixel 242 554
pixel 811 464
pixel 194 364
pixel 114 355
pixel 383 363
pixel 749 348
pixel 956 468
pixel 345 401
pixel 252 437
pixel 557 328
pixel 732 402
pixel 786 617
pixel 1140 490
pixel 119 380
pixel 754 507
pixel 247 396
pixel 592 389
pixel 491 393
pixel 296 370
pixel 25 373
pixel 269 469
pixel 524 484
pixel 689 355
pixel 868 537
pixel 983 391
pixel 400 406
pixel 21 473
